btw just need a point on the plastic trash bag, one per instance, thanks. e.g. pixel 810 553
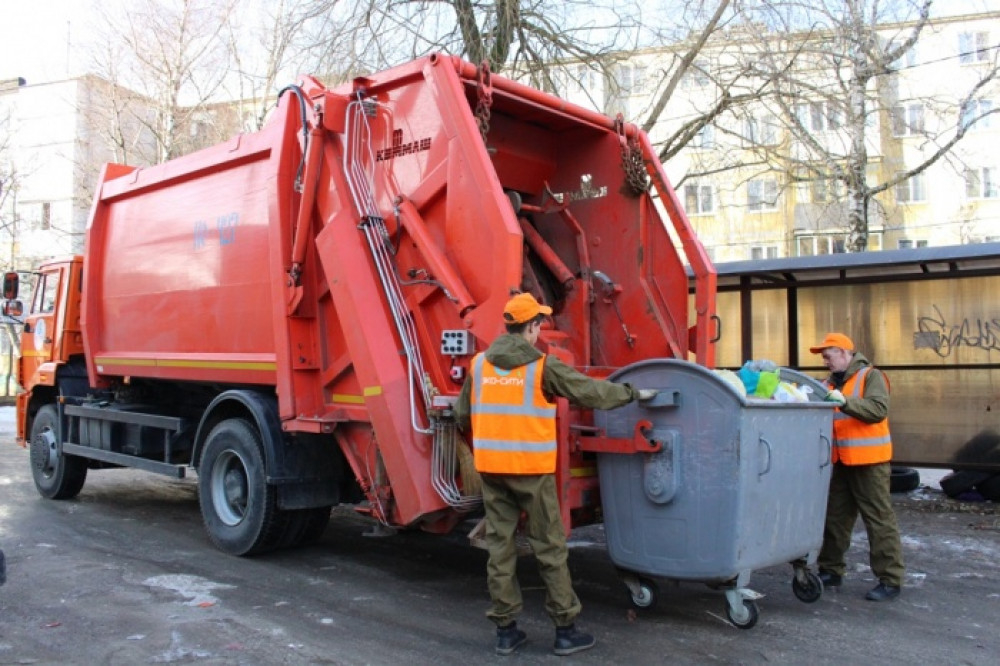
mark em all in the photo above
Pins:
pixel 788 392
pixel 733 380
pixel 767 384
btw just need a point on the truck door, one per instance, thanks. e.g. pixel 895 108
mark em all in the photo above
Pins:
pixel 40 323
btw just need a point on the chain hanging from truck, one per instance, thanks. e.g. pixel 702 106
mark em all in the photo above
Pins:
pixel 484 98
pixel 636 178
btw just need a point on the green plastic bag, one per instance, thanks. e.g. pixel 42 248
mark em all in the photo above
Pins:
pixel 767 384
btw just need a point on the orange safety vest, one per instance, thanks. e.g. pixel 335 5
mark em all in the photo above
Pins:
pixel 854 441
pixel 513 424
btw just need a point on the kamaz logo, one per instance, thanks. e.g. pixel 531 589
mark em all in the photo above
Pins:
pixel 399 148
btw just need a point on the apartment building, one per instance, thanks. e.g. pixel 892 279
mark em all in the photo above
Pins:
pixel 757 181
pixel 760 180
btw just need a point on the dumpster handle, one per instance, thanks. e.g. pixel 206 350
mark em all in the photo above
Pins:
pixel 829 450
pixel 767 467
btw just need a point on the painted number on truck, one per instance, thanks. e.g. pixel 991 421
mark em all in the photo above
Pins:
pixel 225 227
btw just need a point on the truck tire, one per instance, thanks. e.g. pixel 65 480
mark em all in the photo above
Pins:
pixel 238 506
pixel 304 527
pixel 903 479
pixel 990 488
pixel 57 476
pixel 961 481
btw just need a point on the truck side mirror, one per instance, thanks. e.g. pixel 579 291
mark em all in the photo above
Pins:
pixel 12 308
pixel 10 285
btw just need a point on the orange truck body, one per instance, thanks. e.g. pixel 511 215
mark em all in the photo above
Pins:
pixel 328 279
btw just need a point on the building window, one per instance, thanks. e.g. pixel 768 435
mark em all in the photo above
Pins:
pixel 813 245
pixel 981 183
pixel 819 116
pixel 762 194
pixel 758 252
pixel 975 113
pixel 39 216
pixel 631 79
pixel 973 47
pixel 705 138
pixel 698 199
pixel 906 244
pixel 907 119
pixel 586 78
pixel 834 117
pixel 761 131
pixel 912 58
pixel 826 190
pixel 816 116
pixel 819 192
pixel 697 75
pixel 911 189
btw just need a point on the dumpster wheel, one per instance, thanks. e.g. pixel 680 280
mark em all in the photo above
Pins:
pixel 643 593
pixel 809 589
pixel 746 617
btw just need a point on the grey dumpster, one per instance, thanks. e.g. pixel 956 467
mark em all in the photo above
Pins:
pixel 740 484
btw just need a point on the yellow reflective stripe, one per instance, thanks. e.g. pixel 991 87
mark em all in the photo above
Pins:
pixel 355 399
pixel 347 399
pixel 583 471
pixel 143 362
pixel 187 363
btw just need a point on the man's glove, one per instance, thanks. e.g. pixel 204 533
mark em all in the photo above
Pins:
pixel 835 396
pixel 647 394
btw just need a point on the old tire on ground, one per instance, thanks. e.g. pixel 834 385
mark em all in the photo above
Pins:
pixel 238 506
pixel 56 476
pixel 903 479
pixel 962 481
pixel 990 488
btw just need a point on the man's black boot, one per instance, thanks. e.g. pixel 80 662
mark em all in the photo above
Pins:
pixel 882 592
pixel 830 579
pixel 569 641
pixel 510 638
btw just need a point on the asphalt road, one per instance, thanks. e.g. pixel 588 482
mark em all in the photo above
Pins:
pixel 124 574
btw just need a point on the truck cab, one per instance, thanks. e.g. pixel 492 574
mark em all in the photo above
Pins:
pixel 51 335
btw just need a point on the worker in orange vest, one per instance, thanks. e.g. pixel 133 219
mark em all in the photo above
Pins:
pixel 862 449
pixel 507 399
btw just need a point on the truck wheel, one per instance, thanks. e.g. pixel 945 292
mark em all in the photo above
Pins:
pixel 237 504
pixel 57 476
pixel 903 479
pixel 304 527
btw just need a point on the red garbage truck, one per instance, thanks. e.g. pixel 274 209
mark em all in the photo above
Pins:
pixel 292 313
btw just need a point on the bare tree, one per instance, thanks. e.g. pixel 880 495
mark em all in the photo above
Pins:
pixel 8 187
pixel 847 55
pixel 284 39
pixel 173 53
pixel 524 38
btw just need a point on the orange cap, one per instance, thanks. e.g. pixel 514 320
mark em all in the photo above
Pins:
pixel 523 308
pixel 833 340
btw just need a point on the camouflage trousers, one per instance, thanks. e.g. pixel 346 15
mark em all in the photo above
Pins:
pixel 505 496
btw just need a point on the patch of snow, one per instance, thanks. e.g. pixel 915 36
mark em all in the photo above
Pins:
pixel 195 588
